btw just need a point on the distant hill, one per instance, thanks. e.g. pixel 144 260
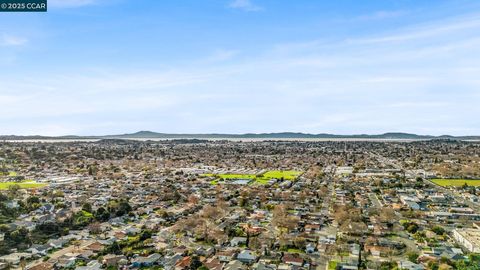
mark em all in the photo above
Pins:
pixel 291 135
pixel 279 135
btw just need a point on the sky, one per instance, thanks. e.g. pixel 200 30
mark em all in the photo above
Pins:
pixel 97 67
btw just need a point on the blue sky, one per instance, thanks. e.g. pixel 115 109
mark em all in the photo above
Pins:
pixel 92 67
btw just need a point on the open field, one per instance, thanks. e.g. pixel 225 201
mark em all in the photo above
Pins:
pixel 236 176
pixel 259 179
pixel 24 184
pixel 286 175
pixel 456 182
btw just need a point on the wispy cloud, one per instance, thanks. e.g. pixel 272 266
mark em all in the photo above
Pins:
pixel 426 31
pixel 222 55
pixel 12 41
pixel 418 104
pixel 245 5
pixel 382 14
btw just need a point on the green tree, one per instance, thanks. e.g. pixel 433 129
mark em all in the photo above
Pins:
pixel 412 256
pixel 195 263
pixel 87 207
pixel 145 234
pixel 102 214
pixel 82 218
pixel 33 199
pixel 438 230
pixel 411 227
pixel 19 236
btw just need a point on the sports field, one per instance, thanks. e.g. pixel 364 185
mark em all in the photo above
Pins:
pixel 236 176
pixel 286 175
pixel 456 182
pixel 24 184
pixel 259 179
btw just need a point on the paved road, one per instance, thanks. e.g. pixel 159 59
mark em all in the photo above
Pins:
pixel 375 201
pixel 70 249
pixel 322 260
pixel 325 209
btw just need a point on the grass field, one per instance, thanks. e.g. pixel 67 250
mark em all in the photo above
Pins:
pixel 286 175
pixel 24 184
pixel 332 265
pixel 259 179
pixel 236 176
pixel 456 182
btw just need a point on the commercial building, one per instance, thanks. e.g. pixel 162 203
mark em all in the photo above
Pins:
pixel 468 238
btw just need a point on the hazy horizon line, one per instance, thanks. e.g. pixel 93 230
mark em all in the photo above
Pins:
pixel 245 133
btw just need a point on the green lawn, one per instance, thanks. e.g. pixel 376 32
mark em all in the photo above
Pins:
pixel 24 184
pixel 295 250
pixel 287 175
pixel 230 176
pixel 87 214
pixel 332 265
pixel 236 176
pixel 456 182
pixel 259 179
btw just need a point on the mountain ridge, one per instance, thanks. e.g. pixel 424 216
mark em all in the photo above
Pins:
pixel 144 134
